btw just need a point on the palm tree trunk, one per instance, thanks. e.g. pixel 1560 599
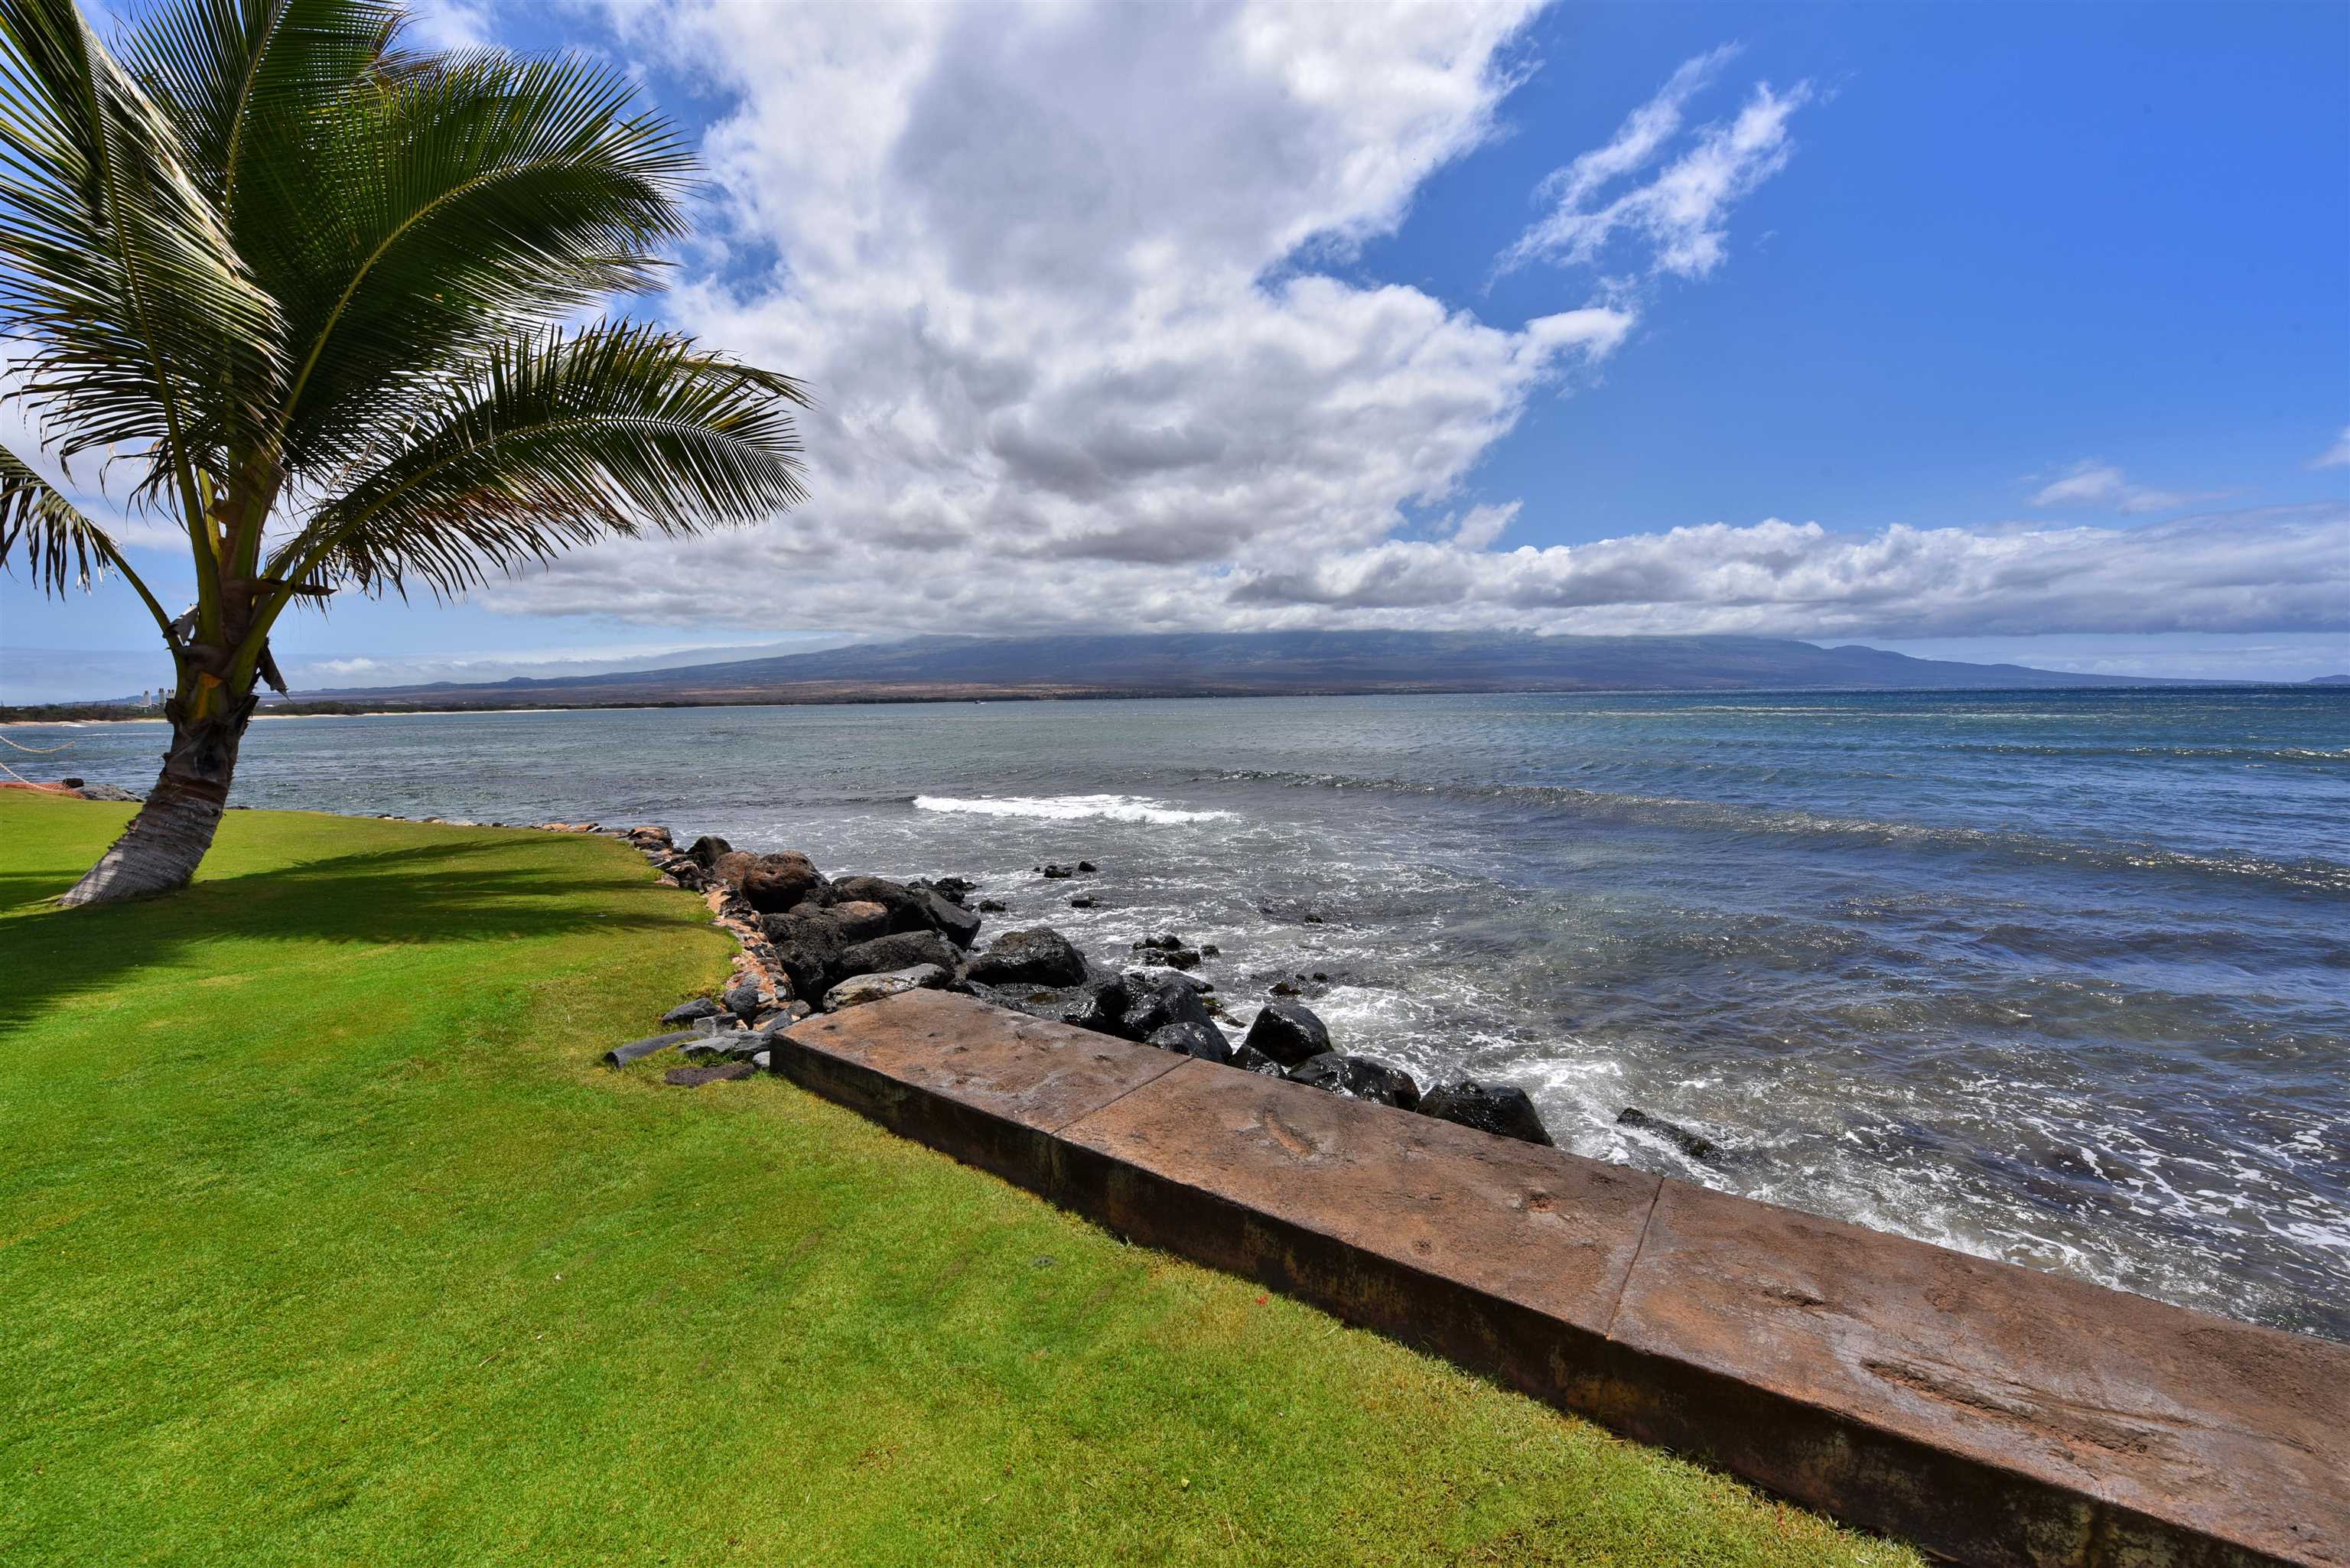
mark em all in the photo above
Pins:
pixel 160 849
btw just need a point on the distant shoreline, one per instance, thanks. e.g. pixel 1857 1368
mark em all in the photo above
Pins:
pixel 71 715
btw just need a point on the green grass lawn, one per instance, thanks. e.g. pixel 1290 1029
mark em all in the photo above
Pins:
pixel 323 1240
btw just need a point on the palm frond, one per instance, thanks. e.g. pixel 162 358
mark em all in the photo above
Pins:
pixel 232 74
pixel 464 200
pixel 611 431
pixel 44 529
pixel 57 543
pixel 143 329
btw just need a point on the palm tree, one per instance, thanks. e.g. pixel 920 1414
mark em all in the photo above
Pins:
pixel 307 294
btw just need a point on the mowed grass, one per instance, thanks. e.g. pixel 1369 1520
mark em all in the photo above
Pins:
pixel 323 1240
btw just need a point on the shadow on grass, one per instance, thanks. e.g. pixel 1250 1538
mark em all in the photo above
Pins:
pixel 425 893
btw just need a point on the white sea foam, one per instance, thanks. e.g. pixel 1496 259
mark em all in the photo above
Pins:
pixel 1067 807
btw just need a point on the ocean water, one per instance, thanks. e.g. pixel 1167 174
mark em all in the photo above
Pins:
pixel 2062 977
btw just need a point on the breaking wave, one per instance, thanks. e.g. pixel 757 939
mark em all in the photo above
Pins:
pixel 1068 807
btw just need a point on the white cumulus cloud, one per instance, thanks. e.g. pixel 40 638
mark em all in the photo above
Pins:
pixel 1069 283
pixel 2335 456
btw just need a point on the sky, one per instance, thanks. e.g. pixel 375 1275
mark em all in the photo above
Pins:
pixel 2014 333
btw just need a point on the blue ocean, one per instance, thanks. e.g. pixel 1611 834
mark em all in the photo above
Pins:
pixel 2061 978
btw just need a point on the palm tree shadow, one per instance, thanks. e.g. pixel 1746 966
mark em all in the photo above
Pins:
pixel 432 893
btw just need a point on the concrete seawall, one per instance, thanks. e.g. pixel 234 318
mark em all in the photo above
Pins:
pixel 1993 1414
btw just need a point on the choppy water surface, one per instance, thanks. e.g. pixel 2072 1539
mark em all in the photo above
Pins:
pixel 2059 978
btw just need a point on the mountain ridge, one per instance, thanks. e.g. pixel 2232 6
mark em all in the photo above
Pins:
pixel 948 666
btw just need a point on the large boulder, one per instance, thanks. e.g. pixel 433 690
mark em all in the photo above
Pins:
pixel 904 903
pixel 1358 1078
pixel 1157 998
pixel 1289 1031
pixel 1249 1059
pixel 808 944
pixel 705 850
pixel 1497 1109
pixel 859 989
pixel 774 883
pixel 687 1013
pixel 859 919
pixel 951 920
pixel 1037 956
pixel 730 869
pixel 899 949
pixel 1096 1004
pixel 1204 1040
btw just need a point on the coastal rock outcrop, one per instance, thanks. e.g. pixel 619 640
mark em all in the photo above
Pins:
pixel 1695 1145
pixel 1358 1078
pixel 1096 1004
pixel 1157 998
pixel 774 883
pixel 950 920
pixel 1288 1031
pixel 1249 1059
pixel 808 945
pixel 1497 1108
pixel 859 919
pixel 1204 1040
pixel 1038 956
pixel 899 949
pixel 858 939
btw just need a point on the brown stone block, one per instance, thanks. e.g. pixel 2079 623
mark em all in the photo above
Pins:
pixel 1996 1413
pixel 985 1084
pixel 1507 1255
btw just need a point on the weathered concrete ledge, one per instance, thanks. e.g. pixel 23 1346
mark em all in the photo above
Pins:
pixel 1993 1414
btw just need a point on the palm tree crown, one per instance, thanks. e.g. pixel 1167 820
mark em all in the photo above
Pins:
pixel 305 292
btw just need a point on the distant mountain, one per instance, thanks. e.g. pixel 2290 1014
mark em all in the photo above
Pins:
pixel 2329 680
pixel 1245 664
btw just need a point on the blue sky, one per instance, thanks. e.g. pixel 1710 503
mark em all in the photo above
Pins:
pixel 2017 332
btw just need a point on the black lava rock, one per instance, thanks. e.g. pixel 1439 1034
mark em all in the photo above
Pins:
pixel 1360 1078
pixel 1204 1040
pixel 951 920
pixel 743 999
pixel 1097 1004
pixel 1249 1059
pixel 808 945
pixel 705 850
pixel 1697 1146
pixel 1289 1031
pixel 1038 956
pixel 685 1013
pixel 1159 998
pixel 774 883
pixel 907 912
pixel 899 949
pixel 1496 1108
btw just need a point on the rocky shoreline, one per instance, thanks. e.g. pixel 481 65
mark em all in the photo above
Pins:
pixel 811 944
pixel 815 943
